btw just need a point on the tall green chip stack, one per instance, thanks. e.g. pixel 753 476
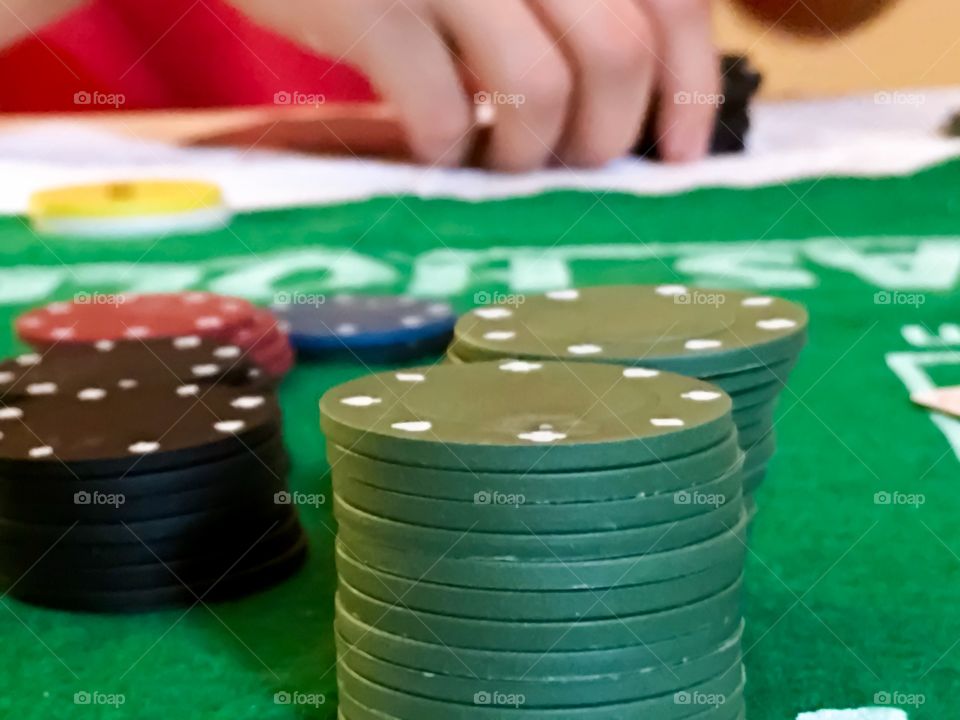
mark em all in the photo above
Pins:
pixel 533 539
pixel 745 343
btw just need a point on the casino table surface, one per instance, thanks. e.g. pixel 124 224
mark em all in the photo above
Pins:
pixel 854 564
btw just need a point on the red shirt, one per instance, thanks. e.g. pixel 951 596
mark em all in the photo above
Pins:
pixel 139 54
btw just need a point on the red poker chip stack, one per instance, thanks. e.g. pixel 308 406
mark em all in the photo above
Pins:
pixel 92 318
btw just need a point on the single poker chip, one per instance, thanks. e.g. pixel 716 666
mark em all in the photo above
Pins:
pixel 514 514
pixel 354 524
pixel 129 209
pixel 754 397
pixel 151 428
pixel 761 452
pixel 91 372
pixel 90 318
pixel 356 692
pixel 669 327
pixel 263 330
pixel 564 692
pixel 197 526
pixel 379 327
pixel 47 577
pixel 276 361
pixel 762 413
pixel 476 486
pixel 257 484
pixel 525 416
pixel 575 605
pixel 229 586
pixel 747 379
pixel 517 574
pixel 759 434
pixel 268 456
pixel 17 558
pixel 494 664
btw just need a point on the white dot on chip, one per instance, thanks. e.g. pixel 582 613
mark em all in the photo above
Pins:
pixel 493 313
pixel 413 426
pixel 58 308
pixel 638 372
pixel 61 333
pixel 248 402
pixel 346 329
pixel 188 390
pixel 41 451
pixel 776 324
pixel 361 401
pixel 542 436
pixel 667 422
pixel 702 344
pixel 410 377
pixel 208 322
pixel 144 447
pixel 205 370
pixel 229 426
pixel 193 298
pixel 520 366
pixel 10 413
pixel 28 359
pixel 137 331
pixel 671 290
pixel 499 335
pixel 585 349
pixel 127 384
pixel 46 388
pixel 702 395
pixel 104 345
pixel 187 342
pixel 6 377
pixel 92 394
pixel 564 295
pixel 438 309
pixel 757 301
pixel 227 351
pixel 412 321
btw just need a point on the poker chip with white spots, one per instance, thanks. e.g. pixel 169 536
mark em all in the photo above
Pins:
pixel 746 343
pixel 499 500
pixel 99 320
pixel 375 328
pixel 119 458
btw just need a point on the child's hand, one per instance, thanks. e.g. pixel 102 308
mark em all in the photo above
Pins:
pixel 572 81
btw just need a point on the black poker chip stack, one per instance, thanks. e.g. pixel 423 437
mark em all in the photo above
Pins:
pixel 741 81
pixel 142 475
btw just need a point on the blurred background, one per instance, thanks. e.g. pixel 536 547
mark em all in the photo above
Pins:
pixel 914 43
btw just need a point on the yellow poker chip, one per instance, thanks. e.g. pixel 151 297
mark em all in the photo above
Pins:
pixel 129 208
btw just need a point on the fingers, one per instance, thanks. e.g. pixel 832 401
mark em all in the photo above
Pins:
pixel 521 72
pixel 689 77
pixel 611 45
pixel 410 65
pixel 400 49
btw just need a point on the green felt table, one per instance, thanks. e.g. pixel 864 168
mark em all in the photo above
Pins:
pixel 848 597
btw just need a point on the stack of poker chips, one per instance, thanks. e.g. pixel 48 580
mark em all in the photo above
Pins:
pixel 89 318
pixel 525 539
pixel 744 343
pixel 369 329
pixel 140 475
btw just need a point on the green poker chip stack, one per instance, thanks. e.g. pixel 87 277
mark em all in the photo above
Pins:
pixel 535 539
pixel 746 344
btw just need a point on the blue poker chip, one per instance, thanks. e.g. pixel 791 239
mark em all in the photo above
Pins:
pixel 384 328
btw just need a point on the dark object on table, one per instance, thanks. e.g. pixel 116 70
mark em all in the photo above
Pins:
pixel 952 127
pixel 741 81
